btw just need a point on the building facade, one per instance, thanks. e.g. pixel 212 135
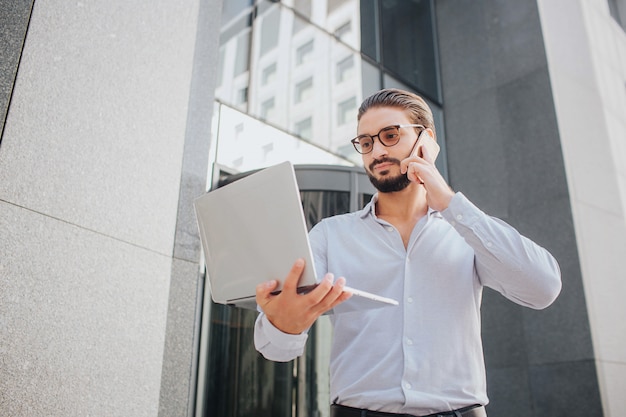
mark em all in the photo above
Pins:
pixel 116 115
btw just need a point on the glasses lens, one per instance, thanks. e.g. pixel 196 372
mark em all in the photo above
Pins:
pixel 389 136
pixel 364 144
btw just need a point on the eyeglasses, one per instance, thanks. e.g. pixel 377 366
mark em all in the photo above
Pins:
pixel 388 136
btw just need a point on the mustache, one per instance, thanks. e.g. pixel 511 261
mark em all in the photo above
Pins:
pixel 382 161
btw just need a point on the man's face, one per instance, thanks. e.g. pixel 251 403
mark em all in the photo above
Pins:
pixel 382 164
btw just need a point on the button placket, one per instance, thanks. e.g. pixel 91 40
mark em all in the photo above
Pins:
pixel 408 339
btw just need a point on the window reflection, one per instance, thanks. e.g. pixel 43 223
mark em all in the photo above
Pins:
pixel 345 111
pixel 345 69
pixel 243 142
pixel 299 77
pixel 267 109
pixel 304 128
pixel 304 90
pixel 269 35
pixel 281 68
pixel 269 74
pixel 413 61
pixel 304 53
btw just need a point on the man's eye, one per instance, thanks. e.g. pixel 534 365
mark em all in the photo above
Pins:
pixel 366 144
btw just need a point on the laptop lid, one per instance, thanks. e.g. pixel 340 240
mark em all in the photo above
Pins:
pixel 252 231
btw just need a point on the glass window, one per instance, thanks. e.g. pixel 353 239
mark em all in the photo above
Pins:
pixel 369 29
pixel 304 128
pixel 232 8
pixel 243 384
pixel 399 36
pixel 304 53
pixel 408 47
pixel 346 111
pixel 345 69
pixel 371 75
pixel 270 24
pixel 267 109
pixel 268 74
pixel 242 54
pixel 239 134
pixel 304 90
pixel 242 96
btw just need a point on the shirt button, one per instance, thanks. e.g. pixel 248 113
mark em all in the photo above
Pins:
pixel 389 229
pixel 489 244
pixel 407 385
pixel 459 217
pixel 409 342
pixel 409 300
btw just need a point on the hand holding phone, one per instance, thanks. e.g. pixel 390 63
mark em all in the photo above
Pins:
pixel 438 192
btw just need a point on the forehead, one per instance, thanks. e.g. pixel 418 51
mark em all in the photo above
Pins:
pixel 377 118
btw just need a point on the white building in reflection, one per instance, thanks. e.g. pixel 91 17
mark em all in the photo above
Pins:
pixel 303 79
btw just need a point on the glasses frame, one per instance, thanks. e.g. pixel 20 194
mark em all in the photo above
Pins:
pixel 356 143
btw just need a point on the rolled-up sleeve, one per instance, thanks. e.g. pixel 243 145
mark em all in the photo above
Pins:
pixel 506 261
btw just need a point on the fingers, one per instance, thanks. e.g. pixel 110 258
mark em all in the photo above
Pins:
pixel 327 292
pixel 293 313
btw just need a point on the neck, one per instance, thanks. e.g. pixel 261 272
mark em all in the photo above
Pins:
pixel 407 204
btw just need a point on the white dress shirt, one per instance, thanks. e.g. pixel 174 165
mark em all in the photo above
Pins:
pixel 424 355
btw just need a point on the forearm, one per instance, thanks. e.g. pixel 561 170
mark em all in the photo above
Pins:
pixel 511 264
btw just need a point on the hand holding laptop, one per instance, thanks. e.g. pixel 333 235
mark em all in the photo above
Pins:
pixel 293 312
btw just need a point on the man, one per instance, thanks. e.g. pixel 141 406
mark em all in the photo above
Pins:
pixel 421 243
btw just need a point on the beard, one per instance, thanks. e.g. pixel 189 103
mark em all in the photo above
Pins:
pixel 391 184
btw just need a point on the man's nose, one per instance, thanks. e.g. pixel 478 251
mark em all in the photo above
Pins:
pixel 378 149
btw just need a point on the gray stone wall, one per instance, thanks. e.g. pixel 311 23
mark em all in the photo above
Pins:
pixel 98 165
pixel 504 153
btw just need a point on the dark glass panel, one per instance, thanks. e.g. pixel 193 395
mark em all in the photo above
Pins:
pixel 408 47
pixel 241 383
pixel 320 204
pixel 369 29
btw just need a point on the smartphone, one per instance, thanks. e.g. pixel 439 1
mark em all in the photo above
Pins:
pixel 425 140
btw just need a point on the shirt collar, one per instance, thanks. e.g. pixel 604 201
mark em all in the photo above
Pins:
pixel 370 209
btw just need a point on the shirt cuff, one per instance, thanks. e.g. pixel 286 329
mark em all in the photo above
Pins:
pixel 276 337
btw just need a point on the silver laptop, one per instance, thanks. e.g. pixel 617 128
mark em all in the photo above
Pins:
pixel 252 231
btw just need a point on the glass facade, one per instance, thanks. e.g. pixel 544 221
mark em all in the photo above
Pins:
pixel 292 74
pixel 303 68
